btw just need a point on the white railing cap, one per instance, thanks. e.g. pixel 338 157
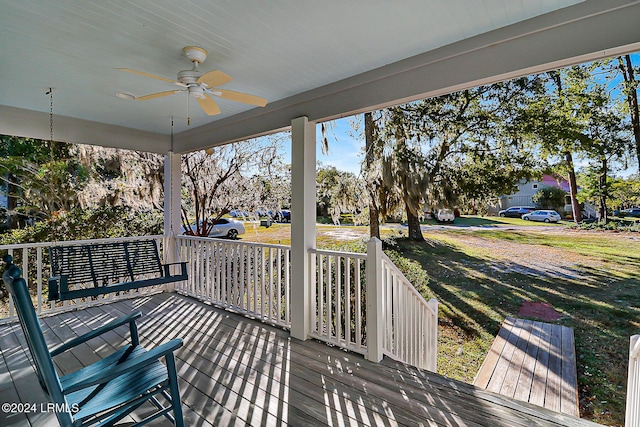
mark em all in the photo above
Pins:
pixel 357 255
pixel 231 242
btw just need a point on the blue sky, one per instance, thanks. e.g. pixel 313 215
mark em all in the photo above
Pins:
pixel 345 146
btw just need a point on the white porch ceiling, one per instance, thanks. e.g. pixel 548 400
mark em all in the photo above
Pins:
pixel 321 59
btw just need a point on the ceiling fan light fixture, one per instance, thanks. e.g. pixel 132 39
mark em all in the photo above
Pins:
pixel 196 91
pixel 195 54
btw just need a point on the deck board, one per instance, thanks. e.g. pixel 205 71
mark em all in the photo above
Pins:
pixel 533 362
pixel 237 371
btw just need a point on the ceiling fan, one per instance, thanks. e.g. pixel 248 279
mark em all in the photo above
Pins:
pixel 200 85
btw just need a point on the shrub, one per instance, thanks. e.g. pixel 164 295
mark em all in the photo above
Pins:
pixel 81 224
pixel 549 198
pixel 613 225
pixel 411 269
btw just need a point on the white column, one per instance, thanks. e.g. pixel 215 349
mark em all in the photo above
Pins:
pixel 303 222
pixel 172 178
pixel 375 326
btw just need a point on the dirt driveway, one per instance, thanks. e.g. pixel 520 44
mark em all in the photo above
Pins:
pixel 534 260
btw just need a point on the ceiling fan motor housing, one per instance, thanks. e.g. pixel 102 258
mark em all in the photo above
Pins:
pixel 189 77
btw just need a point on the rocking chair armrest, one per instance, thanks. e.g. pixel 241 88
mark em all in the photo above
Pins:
pixel 131 318
pixel 132 364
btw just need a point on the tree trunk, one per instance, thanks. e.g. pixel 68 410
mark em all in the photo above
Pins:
pixel 573 188
pixel 374 214
pixel 626 67
pixel 602 192
pixel 12 201
pixel 415 233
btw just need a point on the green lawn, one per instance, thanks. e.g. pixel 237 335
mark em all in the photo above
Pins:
pixel 603 305
pixel 492 221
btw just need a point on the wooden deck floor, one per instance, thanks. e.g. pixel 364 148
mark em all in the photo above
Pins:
pixel 237 371
pixel 533 362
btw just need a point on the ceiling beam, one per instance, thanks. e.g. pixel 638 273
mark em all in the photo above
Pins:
pixel 34 124
pixel 587 31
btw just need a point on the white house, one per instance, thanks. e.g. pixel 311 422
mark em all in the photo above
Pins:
pixel 526 190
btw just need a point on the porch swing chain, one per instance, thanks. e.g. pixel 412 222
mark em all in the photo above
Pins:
pixel 50 93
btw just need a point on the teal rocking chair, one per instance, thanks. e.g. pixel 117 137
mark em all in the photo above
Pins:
pixel 109 390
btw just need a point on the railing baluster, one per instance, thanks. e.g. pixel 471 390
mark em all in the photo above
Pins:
pixel 347 300
pixel 262 280
pixel 337 261
pixel 287 285
pixel 320 288
pixel 328 298
pixel 279 283
pixel 271 285
pixel 39 277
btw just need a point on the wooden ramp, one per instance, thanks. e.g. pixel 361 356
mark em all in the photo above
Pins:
pixel 534 362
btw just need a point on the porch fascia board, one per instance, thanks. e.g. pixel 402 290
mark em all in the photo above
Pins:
pixel 35 124
pixel 586 31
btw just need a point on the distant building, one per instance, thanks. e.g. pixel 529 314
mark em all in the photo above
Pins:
pixel 526 190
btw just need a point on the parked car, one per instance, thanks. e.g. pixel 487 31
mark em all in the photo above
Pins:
pixel 283 216
pixel 224 227
pixel 239 214
pixel 542 215
pixel 633 212
pixel 516 211
pixel 445 215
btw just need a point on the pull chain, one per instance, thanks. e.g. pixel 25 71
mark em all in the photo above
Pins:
pixel 188 111
pixel 171 148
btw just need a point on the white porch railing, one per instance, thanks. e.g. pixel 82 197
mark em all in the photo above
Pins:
pixel 338 298
pixel 33 258
pixel 250 278
pixel 410 322
pixel 362 301
pixel 632 418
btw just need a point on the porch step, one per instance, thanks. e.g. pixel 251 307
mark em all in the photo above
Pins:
pixel 533 362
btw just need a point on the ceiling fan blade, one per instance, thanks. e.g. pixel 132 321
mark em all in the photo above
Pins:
pixel 153 76
pixel 209 105
pixel 214 78
pixel 157 95
pixel 245 98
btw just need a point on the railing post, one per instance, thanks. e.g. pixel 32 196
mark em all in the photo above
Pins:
pixel 432 337
pixel 632 418
pixel 375 325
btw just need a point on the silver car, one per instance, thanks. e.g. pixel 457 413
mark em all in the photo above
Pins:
pixel 224 227
pixel 542 215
